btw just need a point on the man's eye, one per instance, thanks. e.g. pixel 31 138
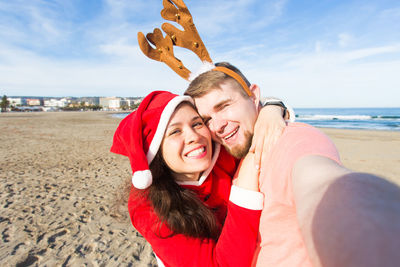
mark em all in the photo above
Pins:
pixel 223 106
pixel 207 122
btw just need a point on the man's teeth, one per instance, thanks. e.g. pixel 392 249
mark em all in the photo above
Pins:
pixel 196 152
pixel 229 136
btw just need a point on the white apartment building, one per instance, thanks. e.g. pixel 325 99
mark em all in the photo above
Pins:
pixel 15 101
pixel 110 102
pixel 55 103
pixel 33 102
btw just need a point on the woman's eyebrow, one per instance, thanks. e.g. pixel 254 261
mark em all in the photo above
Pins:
pixel 197 117
pixel 179 123
pixel 174 124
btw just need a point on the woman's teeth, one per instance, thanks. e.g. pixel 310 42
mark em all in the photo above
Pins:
pixel 196 152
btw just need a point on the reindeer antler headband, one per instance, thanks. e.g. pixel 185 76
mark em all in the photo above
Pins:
pixel 189 38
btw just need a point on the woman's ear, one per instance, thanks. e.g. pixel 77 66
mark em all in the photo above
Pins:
pixel 255 97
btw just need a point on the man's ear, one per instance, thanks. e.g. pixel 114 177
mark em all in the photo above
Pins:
pixel 255 97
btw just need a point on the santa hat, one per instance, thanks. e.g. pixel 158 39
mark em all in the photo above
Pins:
pixel 139 135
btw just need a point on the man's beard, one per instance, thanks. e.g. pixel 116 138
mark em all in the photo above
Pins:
pixel 241 150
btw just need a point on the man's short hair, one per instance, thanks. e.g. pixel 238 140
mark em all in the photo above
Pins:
pixel 213 79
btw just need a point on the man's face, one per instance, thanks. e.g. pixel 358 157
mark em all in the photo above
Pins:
pixel 230 116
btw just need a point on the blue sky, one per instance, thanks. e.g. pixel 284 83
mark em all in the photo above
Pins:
pixel 310 53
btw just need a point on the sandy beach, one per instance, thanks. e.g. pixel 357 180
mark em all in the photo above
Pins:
pixel 58 185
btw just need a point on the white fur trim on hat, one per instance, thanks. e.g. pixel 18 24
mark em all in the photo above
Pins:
pixel 162 124
pixel 142 179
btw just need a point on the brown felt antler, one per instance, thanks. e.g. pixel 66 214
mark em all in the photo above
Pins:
pixel 174 10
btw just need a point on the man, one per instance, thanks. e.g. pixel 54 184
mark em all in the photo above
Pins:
pixel 316 212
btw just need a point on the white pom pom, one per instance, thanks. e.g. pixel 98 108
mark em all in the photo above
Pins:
pixel 142 179
pixel 206 66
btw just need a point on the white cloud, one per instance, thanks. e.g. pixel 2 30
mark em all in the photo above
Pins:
pixel 41 76
pixel 344 39
pixel 367 52
pixel 318 47
pixel 122 10
pixel 309 59
pixel 268 13
pixel 120 49
pixel 391 13
pixel 330 78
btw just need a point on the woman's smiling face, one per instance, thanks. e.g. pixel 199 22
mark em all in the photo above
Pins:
pixel 186 147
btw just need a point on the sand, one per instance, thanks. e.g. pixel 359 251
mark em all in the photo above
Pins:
pixel 57 188
pixel 376 152
pixel 59 182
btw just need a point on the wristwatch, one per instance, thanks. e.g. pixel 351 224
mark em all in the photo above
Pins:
pixel 277 103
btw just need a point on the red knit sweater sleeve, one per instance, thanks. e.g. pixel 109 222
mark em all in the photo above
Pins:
pixel 235 246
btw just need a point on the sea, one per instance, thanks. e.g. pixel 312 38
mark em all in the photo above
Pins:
pixel 385 119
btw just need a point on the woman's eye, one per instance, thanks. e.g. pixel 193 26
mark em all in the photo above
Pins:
pixel 198 124
pixel 176 131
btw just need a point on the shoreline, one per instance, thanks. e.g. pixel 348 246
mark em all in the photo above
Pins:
pixel 59 184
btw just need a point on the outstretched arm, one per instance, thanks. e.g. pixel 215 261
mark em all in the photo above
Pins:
pixel 346 218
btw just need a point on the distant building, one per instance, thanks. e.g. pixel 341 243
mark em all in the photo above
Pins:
pixel 90 100
pixel 126 102
pixel 17 101
pixel 33 102
pixel 113 103
pixel 55 103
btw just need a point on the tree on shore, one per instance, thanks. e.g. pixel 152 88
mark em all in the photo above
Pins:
pixel 4 103
pixel 134 106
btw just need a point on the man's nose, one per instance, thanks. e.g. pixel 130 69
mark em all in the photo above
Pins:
pixel 218 126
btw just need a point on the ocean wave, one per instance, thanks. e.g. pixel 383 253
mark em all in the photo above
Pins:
pixel 346 117
pixel 391 117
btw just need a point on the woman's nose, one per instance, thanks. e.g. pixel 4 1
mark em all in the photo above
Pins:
pixel 192 136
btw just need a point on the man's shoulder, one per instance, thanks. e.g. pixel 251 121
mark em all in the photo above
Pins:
pixel 298 131
pixel 300 126
pixel 298 140
pixel 301 138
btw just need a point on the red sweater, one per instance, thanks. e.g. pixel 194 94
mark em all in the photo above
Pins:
pixel 240 220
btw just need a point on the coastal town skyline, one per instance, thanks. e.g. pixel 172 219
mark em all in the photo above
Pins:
pixel 311 54
pixel 96 100
pixel 69 103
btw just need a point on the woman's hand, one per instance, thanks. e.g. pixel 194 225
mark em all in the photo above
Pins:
pixel 267 130
pixel 246 175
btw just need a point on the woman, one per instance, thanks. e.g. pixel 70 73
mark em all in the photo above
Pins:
pixel 184 204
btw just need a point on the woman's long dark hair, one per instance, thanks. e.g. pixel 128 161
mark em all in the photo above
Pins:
pixel 178 207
